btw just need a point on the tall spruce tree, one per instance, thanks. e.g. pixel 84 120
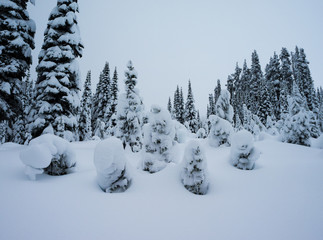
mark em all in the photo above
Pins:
pixel 273 78
pixel 169 106
pixel 286 70
pixel 101 98
pixel 177 101
pixel 113 102
pixel 255 83
pixel 130 112
pixel 190 112
pixel 211 104
pixel 58 83
pixel 217 91
pixel 85 129
pixel 245 87
pixel 181 107
pixel 17 32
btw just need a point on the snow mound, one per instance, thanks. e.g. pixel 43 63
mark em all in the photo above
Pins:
pixel 48 153
pixel 243 153
pixel 110 162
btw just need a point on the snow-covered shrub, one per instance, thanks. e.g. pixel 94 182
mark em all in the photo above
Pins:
pixel 220 132
pixel 243 153
pixel 158 140
pixel 99 130
pixel 201 133
pixel 181 132
pixel 194 169
pixel 50 154
pixel 110 162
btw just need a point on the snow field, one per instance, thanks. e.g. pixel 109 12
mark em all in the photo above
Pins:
pixel 282 198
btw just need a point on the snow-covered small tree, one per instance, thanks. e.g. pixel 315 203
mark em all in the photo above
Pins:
pixel 243 153
pixel 223 107
pixel 50 154
pixel 110 162
pixel 238 125
pixel 220 132
pixel 158 140
pixel 58 82
pixel 217 92
pixel 297 126
pixel 3 131
pixel 190 112
pixel 201 133
pixel 130 112
pixel 17 32
pixel 194 173
pixel 85 129
pixel 256 77
pixel 169 106
pixel 270 125
pixel 99 130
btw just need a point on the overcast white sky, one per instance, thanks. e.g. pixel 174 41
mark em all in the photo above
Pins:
pixel 171 41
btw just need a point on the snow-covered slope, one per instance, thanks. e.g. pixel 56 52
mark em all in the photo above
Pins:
pixel 282 198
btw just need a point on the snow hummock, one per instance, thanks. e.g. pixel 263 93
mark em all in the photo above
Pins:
pixel 110 162
pixel 243 153
pixel 43 150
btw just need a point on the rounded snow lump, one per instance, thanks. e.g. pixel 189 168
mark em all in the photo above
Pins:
pixel 36 156
pixel 109 154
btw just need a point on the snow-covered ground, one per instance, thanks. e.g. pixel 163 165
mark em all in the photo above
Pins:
pixel 282 198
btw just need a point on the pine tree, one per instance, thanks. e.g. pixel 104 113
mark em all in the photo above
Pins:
pixel 211 105
pixel 296 127
pixel 190 112
pixel 158 140
pixel 286 70
pixel 223 107
pixel 130 112
pixel 217 91
pixel 255 82
pixel 58 84
pixel 273 79
pixel 245 86
pixel 102 97
pixel 113 102
pixel 169 106
pixel 236 95
pixel 17 32
pixel 194 174
pixel 265 107
pixel 181 107
pixel 85 129
pixel 178 108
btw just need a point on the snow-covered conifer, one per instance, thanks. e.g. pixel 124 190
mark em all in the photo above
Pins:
pixel 286 70
pixel 217 92
pixel 194 173
pixel 158 140
pixel 223 107
pixel 58 82
pixel 110 162
pixel 99 130
pixel 169 106
pixel 113 102
pixel 130 112
pixel 297 126
pixel 85 129
pixel 17 32
pixel 220 131
pixel 201 133
pixel 243 153
pixel 255 82
pixel 190 112
pixel 101 99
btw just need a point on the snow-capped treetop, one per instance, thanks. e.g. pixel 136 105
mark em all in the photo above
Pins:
pixel 131 76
